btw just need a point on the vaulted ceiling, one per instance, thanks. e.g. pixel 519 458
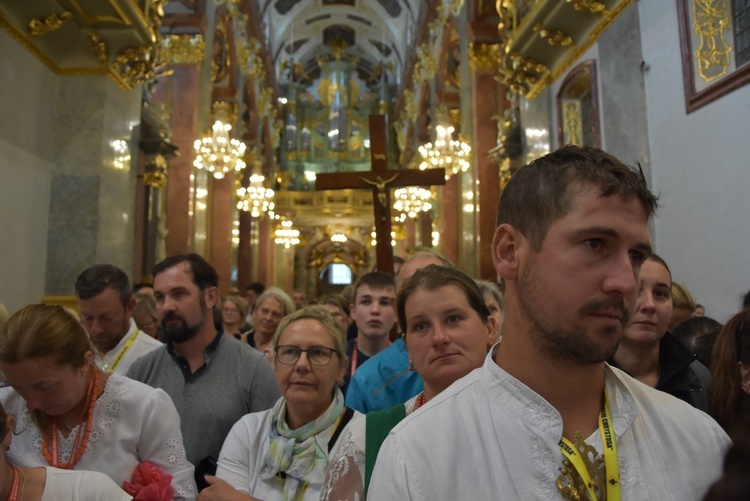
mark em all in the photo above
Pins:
pixel 376 32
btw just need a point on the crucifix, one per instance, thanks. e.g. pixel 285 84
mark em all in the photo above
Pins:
pixel 381 180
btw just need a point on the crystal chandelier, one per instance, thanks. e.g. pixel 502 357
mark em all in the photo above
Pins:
pixel 411 201
pixel 446 152
pixel 286 235
pixel 218 153
pixel 256 198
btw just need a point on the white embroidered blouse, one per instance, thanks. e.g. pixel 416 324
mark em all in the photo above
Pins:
pixel 346 472
pixel 132 422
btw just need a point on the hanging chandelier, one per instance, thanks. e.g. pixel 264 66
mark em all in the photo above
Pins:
pixel 256 198
pixel 410 202
pixel 448 153
pixel 218 153
pixel 287 235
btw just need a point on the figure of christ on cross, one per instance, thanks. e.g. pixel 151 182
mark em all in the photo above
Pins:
pixel 381 180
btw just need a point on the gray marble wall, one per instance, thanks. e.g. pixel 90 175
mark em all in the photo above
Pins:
pixel 27 90
pixel 93 184
pixel 622 91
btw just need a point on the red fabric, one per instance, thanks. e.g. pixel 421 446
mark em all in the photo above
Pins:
pixel 149 483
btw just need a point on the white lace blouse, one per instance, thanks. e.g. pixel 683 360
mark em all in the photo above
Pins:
pixel 345 479
pixel 132 422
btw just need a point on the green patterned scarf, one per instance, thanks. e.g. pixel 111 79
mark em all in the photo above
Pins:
pixel 297 453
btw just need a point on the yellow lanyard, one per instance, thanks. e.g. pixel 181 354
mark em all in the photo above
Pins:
pixel 122 352
pixel 611 466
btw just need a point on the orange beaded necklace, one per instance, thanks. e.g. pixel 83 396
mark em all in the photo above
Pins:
pixel 82 438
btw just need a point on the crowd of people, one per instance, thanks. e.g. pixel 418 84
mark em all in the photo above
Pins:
pixel 582 371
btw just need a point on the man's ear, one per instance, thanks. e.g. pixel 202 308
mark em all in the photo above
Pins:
pixel 130 306
pixel 507 247
pixel 212 296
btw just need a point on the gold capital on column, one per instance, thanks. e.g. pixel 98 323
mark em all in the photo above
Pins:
pixel 484 57
pixel 183 49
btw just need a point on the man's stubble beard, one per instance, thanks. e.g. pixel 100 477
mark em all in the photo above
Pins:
pixel 571 344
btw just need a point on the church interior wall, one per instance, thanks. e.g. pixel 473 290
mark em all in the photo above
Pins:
pixel 700 170
pixel 27 90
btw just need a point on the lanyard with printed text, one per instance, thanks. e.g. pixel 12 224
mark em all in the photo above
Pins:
pixel 611 466
pixel 125 348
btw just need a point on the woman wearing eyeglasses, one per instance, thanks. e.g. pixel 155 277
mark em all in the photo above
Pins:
pixel 729 394
pixel 282 453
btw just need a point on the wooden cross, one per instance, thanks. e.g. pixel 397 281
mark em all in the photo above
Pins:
pixel 381 180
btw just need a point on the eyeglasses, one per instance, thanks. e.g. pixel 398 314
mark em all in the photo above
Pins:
pixel 317 355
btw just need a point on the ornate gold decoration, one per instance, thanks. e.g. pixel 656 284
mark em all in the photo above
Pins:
pixel 251 64
pixel 711 23
pixel 426 65
pixel 98 46
pixel 183 49
pixel 226 111
pixel 572 122
pixel 53 22
pixel 135 66
pixel 570 484
pixel 411 106
pixel 484 57
pixel 155 174
pixel 553 37
pixel 338 47
pixel 265 102
pixel 589 5
pixel 523 73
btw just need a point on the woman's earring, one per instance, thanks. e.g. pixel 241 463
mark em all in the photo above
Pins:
pixel 411 366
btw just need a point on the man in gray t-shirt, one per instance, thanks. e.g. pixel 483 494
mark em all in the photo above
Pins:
pixel 213 379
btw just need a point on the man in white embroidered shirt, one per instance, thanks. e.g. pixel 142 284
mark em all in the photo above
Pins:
pixel 106 305
pixel 545 414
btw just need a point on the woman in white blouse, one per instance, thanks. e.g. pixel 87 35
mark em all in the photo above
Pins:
pixel 447 330
pixel 282 453
pixel 47 484
pixel 71 415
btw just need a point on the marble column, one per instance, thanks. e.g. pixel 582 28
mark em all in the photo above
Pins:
pixel 245 272
pixel 92 200
pixel 449 214
pixel 484 104
pixel 185 89
pixel 222 217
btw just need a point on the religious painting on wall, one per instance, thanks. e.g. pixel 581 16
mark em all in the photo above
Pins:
pixel 578 107
pixel 715 44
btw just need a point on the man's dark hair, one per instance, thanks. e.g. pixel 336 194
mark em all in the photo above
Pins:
pixel 95 279
pixel 541 192
pixel 374 280
pixel 257 287
pixel 204 275
pixel 746 300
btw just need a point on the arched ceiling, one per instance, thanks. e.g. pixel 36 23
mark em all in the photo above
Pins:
pixel 376 32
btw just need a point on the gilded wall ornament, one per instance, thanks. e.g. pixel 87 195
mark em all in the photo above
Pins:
pixel 98 46
pixel 711 24
pixel 53 22
pixel 553 37
pixel 183 49
pixel 589 5
pixel 484 57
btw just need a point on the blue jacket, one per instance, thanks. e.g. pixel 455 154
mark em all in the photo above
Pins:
pixel 384 381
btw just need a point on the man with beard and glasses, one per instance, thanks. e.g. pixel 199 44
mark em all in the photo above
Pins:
pixel 545 417
pixel 213 380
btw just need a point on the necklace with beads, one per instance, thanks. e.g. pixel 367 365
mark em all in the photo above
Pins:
pixel 17 484
pixel 82 438
pixel 419 402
